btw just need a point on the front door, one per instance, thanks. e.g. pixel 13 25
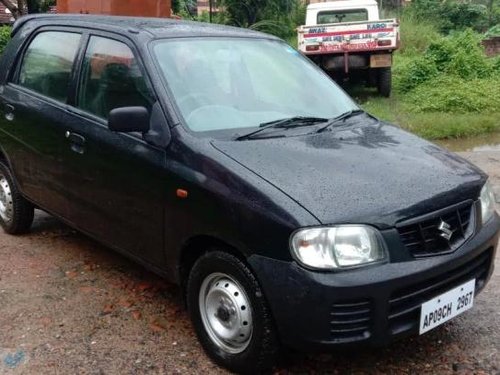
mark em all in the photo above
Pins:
pixel 117 181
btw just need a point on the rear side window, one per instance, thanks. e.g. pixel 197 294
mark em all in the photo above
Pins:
pixel 111 78
pixel 48 62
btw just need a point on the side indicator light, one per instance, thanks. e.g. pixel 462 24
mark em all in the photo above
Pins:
pixel 181 193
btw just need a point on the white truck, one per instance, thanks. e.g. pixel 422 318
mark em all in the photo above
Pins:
pixel 347 39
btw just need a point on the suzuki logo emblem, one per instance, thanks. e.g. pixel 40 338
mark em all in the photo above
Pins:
pixel 445 230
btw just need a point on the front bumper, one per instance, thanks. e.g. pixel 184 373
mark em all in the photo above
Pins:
pixel 371 305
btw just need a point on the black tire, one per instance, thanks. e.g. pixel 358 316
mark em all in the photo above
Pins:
pixel 18 215
pixel 261 352
pixel 384 81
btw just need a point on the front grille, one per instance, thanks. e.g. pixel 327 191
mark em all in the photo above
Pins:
pixel 422 236
pixel 351 320
pixel 404 304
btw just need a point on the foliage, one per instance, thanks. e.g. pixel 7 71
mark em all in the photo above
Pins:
pixel 416 35
pixel 277 17
pixel 459 54
pixel 46 4
pixel 453 94
pixel 20 7
pixel 217 17
pixel 245 13
pixel 416 72
pixel 438 125
pixel 432 125
pixel 444 86
pixel 4 37
pixel 184 8
pixel 494 31
pixel 452 15
pixel 495 63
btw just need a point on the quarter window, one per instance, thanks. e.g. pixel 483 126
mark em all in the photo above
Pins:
pixel 111 78
pixel 48 63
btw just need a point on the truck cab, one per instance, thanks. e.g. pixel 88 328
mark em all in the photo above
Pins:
pixel 348 40
pixel 342 11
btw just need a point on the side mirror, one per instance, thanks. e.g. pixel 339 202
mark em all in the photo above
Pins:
pixel 129 119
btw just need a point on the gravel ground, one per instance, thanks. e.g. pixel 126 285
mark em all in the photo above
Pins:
pixel 68 305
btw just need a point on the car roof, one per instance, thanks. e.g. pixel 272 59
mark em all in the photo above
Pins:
pixel 155 27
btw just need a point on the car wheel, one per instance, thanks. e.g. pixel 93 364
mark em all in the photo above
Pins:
pixel 16 213
pixel 230 314
pixel 384 82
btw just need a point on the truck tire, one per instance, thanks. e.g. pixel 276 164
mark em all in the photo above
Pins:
pixel 230 314
pixel 16 213
pixel 384 82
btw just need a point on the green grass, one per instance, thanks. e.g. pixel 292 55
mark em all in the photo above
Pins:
pixel 444 106
pixel 431 125
pixel 416 35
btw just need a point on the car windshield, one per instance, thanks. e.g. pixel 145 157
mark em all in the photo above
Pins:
pixel 235 83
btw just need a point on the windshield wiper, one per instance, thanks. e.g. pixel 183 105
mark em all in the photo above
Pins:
pixel 293 122
pixel 286 123
pixel 344 116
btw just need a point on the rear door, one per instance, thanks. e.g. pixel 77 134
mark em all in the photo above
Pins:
pixel 35 111
pixel 116 181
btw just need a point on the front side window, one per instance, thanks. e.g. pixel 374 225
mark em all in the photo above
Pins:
pixel 232 83
pixel 337 16
pixel 111 78
pixel 48 63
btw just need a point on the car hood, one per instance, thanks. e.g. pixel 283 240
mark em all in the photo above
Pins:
pixel 373 173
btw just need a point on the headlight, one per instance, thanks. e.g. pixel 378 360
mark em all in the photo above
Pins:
pixel 338 247
pixel 487 199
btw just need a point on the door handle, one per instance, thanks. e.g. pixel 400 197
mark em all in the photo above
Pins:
pixel 9 112
pixel 77 142
pixel 74 138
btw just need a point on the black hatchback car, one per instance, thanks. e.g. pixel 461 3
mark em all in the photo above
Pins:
pixel 228 163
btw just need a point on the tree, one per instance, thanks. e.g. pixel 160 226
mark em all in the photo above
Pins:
pixel 34 6
pixel 184 8
pixel 245 13
pixel 21 7
pixel 16 8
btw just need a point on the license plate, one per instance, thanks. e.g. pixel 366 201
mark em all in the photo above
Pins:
pixel 380 61
pixel 446 306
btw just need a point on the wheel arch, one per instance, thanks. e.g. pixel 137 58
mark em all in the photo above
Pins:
pixel 6 159
pixel 198 245
pixel 3 156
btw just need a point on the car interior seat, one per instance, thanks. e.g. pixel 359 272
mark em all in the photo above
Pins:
pixel 117 89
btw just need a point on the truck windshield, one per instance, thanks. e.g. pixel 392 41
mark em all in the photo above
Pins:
pixel 336 16
pixel 234 83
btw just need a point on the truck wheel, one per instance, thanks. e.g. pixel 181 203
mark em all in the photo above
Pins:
pixel 230 314
pixel 384 82
pixel 16 213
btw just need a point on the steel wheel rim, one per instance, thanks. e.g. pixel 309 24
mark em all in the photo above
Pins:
pixel 6 201
pixel 226 313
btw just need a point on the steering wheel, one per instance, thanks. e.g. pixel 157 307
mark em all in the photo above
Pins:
pixel 194 101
